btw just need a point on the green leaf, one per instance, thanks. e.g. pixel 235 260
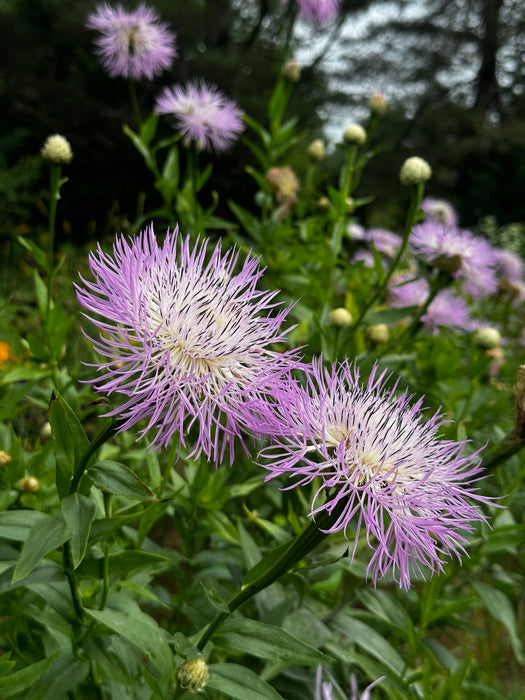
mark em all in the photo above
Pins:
pixel 65 674
pixel 79 513
pixel 45 536
pixel 21 680
pixel 38 254
pixel 140 629
pixel 250 223
pixel 266 642
pixel 499 606
pixel 170 171
pixel 374 643
pixel 115 477
pixel 70 441
pixel 148 128
pixel 142 148
pixel 240 683
pixel 16 524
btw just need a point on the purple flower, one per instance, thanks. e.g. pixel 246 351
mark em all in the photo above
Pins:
pixel 380 466
pixel 185 341
pixel 318 10
pixel 384 241
pixel 468 257
pixel 202 114
pixel 445 310
pixel 508 264
pixel 364 256
pixel 323 689
pixel 439 210
pixel 132 44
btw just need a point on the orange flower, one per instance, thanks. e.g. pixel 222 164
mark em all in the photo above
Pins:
pixel 5 353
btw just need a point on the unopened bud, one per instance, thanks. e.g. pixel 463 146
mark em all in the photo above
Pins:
pixel 291 71
pixel 5 458
pixel 45 431
pixel 378 333
pixel 414 171
pixel 29 484
pixel 377 104
pixel 57 149
pixel 487 338
pixel 316 149
pixel 323 203
pixel 193 675
pixel 355 134
pixel 341 317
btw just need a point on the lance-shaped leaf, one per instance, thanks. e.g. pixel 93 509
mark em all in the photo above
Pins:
pixel 78 512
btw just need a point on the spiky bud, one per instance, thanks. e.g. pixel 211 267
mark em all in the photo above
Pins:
pixel 57 149
pixel 193 675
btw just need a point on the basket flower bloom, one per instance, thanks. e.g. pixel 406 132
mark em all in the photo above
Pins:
pixel 446 310
pixel 323 689
pixel 439 210
pixel 185 341
pixel 468 257
pixel 318 10
pixel 381 467
pixel 203 114
pixel 384 241
pixel 132 44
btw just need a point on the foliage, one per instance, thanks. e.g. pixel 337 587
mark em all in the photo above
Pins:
pixel 122 568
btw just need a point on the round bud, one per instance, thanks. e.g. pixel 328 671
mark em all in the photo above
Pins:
pixel 355 134
pixel 341 317
pixel 29 484
pixel 57 149
pixel 5 458
pixel 291 71
pixel 193 675
pixel 414 171
pixel 378 333
pixel 323 203
pixel 487 337
pixel 316 149
pixel 377 104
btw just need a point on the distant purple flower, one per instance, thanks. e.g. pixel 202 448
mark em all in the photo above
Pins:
pixel 439 210
pixel 187 342
pixel 132 44
pixel 445 310
pixel 318 10
pixel 509 264
pixel 356 232
pixel 203 114
pixel 468 257
pixel 323 689
pixel 385 242
pixel 380 466
pixel 364 256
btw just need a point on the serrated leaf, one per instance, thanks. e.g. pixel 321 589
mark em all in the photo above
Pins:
pixel 45 536
pixel 240 683
pixel 115 477
pixel 79 513
pixel 266 642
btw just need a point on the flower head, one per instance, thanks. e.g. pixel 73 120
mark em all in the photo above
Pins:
pixel 57 149
pixel 132 44
pixel 459 252
pixel 439 210
pixel 509 264
pixel 381 467
pixel 385 242
pixel 203 114
pixel 185 341
pixel 318 10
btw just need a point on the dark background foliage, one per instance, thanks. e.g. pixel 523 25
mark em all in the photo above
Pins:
pixel 454 88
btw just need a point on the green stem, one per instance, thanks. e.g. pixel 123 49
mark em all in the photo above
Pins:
pixel 135 102
pixel 54 194
pixel 193 166
pixel 298 548
pixel 345 184
pixel 99 440
pixel 73 585
pixel 416 197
